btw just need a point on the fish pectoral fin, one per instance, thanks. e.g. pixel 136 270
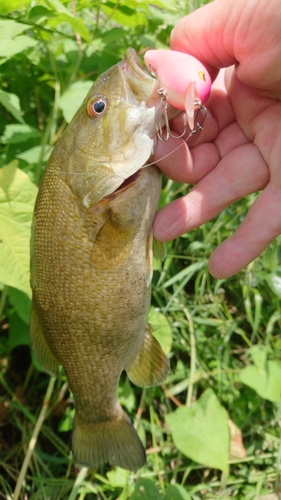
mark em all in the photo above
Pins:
pixel 114 441
pixel 151 365
pixel 159 249
pixel 42 351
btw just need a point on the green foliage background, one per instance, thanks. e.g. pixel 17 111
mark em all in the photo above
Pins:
pixel 222 337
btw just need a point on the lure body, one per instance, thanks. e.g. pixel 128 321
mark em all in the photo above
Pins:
pixel 186 81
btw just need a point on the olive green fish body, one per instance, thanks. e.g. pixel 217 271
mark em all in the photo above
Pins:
pixel 91 268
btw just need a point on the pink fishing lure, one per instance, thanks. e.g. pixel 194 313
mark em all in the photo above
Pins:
pixel 183 77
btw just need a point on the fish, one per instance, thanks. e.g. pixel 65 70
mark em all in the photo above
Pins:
pixel 91 260
pixel 185 79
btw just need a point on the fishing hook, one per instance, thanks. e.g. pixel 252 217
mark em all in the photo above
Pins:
pixel 198 125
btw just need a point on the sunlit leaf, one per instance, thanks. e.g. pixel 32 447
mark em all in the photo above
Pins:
pixel 7 6
pixel 73 98
pixel 34 154
pixel 12 103
pixel 118 478
pixel 162 330
pixel 77 25
pixel 124 15
pixel 16 45
pixel 15 133
pixel 266 380
pixel 17 196
pixel 201 432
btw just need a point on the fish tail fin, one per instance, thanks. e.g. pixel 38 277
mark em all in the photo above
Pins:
pixel 115 442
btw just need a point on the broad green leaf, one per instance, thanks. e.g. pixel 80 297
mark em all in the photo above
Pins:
pixel 162 330
pixel 57 6
pixel 16 45
pixel 77 25
pixel 71 99
pixel 118 478
pixel 21 302
pixel 33 155
pixel 10 29
pixel 266 380
pixel 12 103
pixel 15 133
pixel 201 432
pixel 18 331
pixel 124 15
pixel 17 197
pixel 145 489
pixel 274 282
pixel 176 492
pixel 7 6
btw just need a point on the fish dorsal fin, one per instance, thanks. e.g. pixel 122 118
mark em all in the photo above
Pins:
pixel 151 366
pixel 159 249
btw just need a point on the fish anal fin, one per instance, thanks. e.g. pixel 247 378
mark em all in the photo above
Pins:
pixel 151 366
pixel 115 442
pixel 42 350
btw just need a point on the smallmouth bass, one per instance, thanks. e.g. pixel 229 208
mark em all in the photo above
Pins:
pixel 91 260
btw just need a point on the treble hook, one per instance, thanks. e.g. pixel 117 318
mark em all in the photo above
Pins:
pixel 198 125
pixel 162 93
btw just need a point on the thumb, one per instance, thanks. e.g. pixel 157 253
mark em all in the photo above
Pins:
pixel 227 32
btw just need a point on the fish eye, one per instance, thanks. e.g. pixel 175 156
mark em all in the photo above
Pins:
pixel 202 76
pixel 97 106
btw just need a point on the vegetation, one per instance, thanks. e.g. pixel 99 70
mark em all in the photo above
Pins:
pixel 213 430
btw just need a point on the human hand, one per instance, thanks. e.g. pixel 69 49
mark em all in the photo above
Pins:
pixel 239 151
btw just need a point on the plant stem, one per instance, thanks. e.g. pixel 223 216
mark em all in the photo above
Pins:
pixel 34 437
pixel 79 480
pixel 192 358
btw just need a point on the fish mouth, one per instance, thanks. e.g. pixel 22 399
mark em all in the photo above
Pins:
pixel 137 81
pixel 127 183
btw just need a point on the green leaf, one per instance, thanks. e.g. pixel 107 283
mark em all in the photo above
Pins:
pixel 118 478
pixel 17 197
pixel 162 330
pixel 66 422
pixel 15 133
pixel 201 432
pixel 266 380
pixel 274 282
pixel 7 6
pixel 21 302
pixel 12 103
pixel 18 331
pixel 70 101
pixel 145 489
pixel 77 25
pixel 10 29
pixel 16 45
pixel 176 492
pixel 57 6
pixel 33 155
pixel 124 15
